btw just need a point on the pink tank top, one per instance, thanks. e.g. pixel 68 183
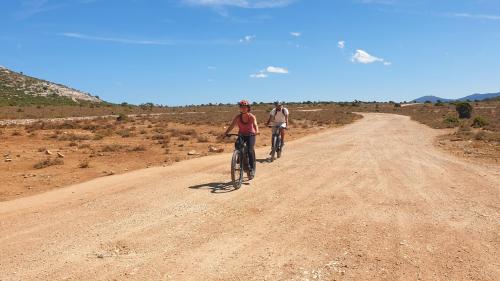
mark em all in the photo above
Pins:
pixel 246 128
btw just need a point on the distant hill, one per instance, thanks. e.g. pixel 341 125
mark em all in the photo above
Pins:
pixel 470 97
pixel 431 99
pixel 19 89
pixel 481 96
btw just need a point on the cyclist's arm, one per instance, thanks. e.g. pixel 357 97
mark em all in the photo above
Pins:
pixel 256 125
pixel 231 126
pixel 268 121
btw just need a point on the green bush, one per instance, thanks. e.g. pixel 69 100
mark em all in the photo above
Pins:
pixel 451 121
pixel 479 122
pixel 464 110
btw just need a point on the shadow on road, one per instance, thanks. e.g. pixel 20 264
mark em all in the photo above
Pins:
pixel 217 187
pixel 263 161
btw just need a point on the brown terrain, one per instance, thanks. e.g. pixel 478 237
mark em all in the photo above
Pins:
pixel 39 155
pixel 476 139
pixel 374 200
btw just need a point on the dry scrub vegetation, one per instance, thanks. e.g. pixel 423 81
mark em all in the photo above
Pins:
pixel 43 155
pixel 46 154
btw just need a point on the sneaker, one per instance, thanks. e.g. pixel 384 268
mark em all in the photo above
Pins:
pixel 251 174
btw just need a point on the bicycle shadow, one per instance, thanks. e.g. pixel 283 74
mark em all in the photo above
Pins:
pixel 217 187
pixel 263 161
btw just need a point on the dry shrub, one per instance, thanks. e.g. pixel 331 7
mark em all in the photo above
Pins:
pixel 203 138
pixel 160 137
pixel 137 148
pixel 73 137
pixel 84 164
pixel 159 130
pixel 125 133
pixel 83 146
pixel 100 134
pixel 48 162
pixel 112 148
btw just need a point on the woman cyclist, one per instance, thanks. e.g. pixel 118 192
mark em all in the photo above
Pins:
pixel 248 128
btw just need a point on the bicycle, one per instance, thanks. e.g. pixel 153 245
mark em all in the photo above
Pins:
pixel 276 143
pixel 239 161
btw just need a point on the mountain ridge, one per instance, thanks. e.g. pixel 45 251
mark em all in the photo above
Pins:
pixel 472 97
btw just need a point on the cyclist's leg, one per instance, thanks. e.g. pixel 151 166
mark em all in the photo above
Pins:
pixel 251 153
pixel 274 131
pixel 282 133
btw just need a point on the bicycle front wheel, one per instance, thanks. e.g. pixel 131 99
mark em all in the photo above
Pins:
pixel 274 148
pixel 237 169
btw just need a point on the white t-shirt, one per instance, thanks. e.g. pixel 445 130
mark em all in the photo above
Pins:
pixel 279 117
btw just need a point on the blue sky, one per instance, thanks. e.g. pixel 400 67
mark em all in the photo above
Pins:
pixel 198 51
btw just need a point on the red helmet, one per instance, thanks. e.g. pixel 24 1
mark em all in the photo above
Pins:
pixel 244 103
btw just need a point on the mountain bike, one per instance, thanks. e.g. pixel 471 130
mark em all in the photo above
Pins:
pixel 276 148
pixel 239 161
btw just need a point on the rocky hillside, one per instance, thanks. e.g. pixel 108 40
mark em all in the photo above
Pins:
pixel 19 89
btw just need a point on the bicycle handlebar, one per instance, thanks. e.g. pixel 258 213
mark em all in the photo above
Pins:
pixel 277 127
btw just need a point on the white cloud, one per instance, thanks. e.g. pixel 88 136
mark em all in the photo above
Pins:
pixel 387 63
pixel 270 69
pixel 115 39
pixel 341 44
pixel 365 58
pixel 474 16
pixel 248 4
pixel 259 75
pixel 277 70
pixel 296 34
pixel 248 39
pixel 148 42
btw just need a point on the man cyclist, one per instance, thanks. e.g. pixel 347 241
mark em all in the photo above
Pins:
pixel 248 128
pixel 279 117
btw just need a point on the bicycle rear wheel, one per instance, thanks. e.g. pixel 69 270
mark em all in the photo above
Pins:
pixel 237 169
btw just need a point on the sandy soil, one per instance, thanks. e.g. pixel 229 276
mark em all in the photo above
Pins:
pixel 374 200
pixel 21 179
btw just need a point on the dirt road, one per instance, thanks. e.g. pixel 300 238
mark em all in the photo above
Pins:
pixel 370 201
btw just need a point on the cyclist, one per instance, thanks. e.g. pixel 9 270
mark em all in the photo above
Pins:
pixel 279 117
pixel 248 128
